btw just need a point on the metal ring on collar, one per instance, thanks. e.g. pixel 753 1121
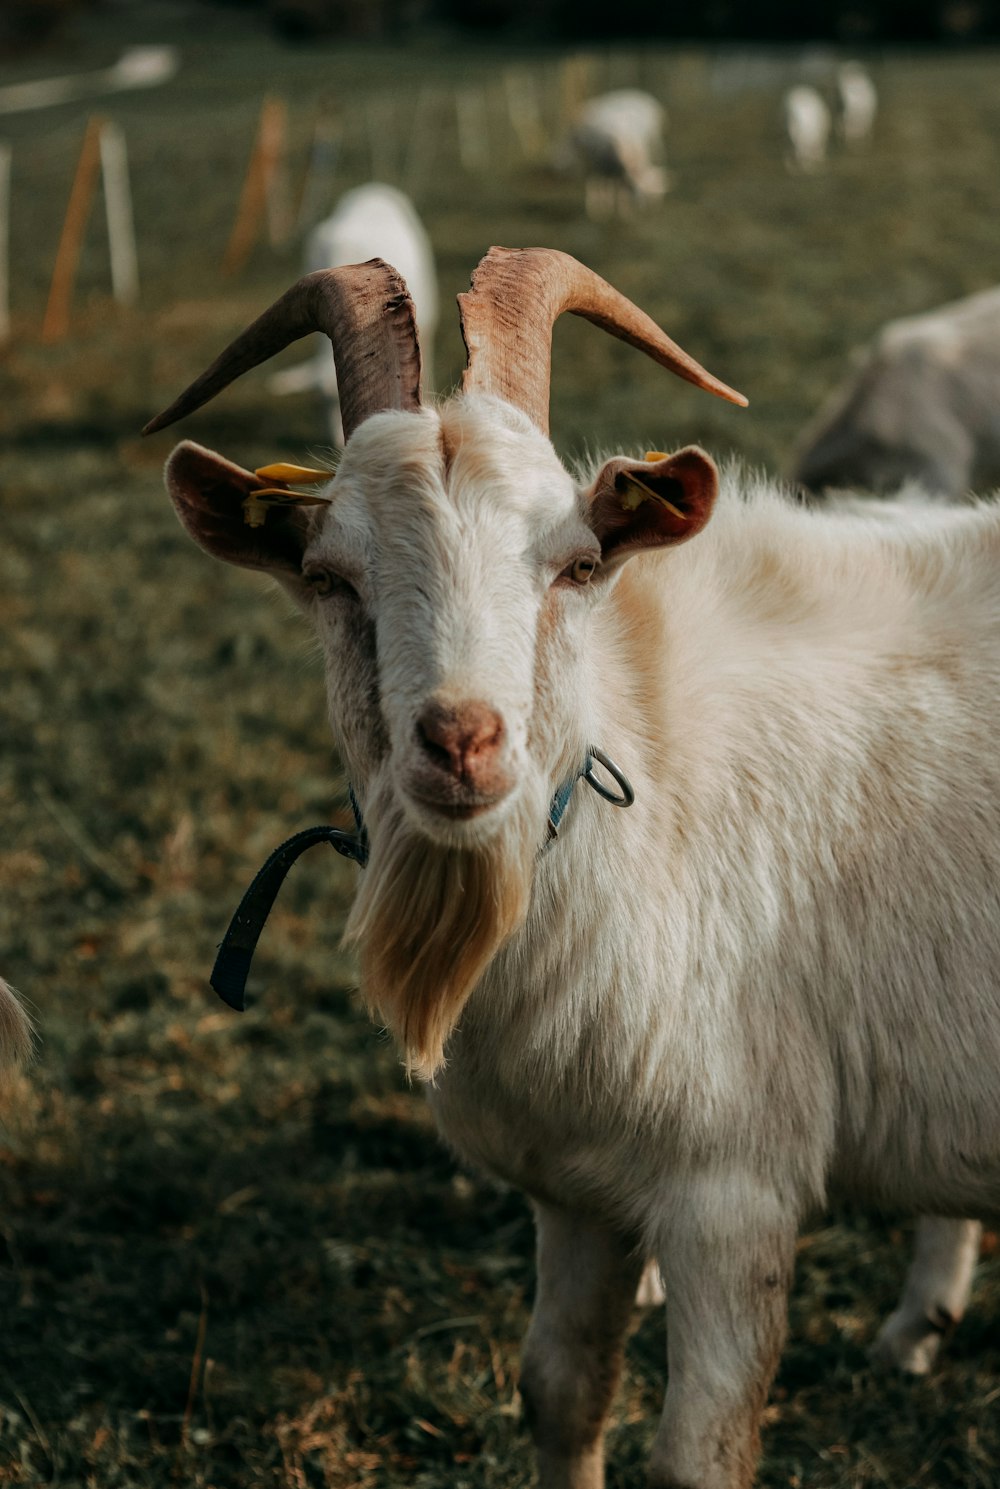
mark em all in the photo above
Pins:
pixel 627 796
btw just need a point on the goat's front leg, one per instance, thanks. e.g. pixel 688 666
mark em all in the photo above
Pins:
pixel 937 1289
pixel 587 1278
pixel 726 1257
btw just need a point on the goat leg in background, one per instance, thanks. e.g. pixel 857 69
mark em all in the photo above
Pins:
pixel 935 1295
pixel 726 1255
pixel 587 1277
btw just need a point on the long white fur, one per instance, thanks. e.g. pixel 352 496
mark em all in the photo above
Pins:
pixel 774 979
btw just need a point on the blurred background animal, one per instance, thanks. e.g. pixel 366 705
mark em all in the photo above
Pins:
pixel 617 142
pixel 922 407
pixel 371 221
pixel 807 125
pixel 857 100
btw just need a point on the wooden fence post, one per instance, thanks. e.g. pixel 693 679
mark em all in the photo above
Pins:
pixel 576 82
pixel 521 93
pixel 5 162
pixel 470 113
pixel 56 322
pixel 418 156
pixel 316 194
pixel 380 126
pixel 118 209
pixel 261 194
pixel 274 143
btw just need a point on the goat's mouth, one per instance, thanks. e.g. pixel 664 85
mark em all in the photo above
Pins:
pixel 454 811
pixel 453 800
pixel 444 803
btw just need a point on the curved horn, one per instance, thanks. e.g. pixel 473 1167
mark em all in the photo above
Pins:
pixel 518 294
pixel 366 311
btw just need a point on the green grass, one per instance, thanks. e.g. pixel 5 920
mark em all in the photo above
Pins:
pixel 232 1252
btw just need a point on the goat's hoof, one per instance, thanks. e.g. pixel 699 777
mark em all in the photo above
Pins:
pixel 909 1344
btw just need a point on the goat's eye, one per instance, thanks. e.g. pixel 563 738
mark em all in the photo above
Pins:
pixel 581 570
pixel 325 582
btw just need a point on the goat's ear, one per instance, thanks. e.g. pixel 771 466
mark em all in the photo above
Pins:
pixel 635 505
pixel 208 494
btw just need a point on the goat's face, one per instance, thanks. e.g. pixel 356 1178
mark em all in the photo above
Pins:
pixel 449 573
pixel 453 579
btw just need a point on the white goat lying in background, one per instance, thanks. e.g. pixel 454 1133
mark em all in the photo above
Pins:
pixel 369 221
pixel 684 1027
pixel 923 406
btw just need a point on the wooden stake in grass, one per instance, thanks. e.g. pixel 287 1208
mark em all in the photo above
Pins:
pixel 418 158
pixel 274 136
pixel 56 323
pixel 380 125
pixel 5 160
pixel 576 82
pixel 118 208
pixel 263 192
pixel 473 145
pixel 316 195
pixel 521 92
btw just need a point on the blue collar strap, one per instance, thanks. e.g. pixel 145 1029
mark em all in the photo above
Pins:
pixel 232 964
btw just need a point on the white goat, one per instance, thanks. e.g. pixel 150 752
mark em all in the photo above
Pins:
pixel 370 220
pixel 682 1028
pixel 858 103
pixel 616 139
pixel 15 1030
pixel 807 124
pixel 923 407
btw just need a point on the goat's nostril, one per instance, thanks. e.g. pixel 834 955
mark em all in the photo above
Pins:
pixel 462 739
pixel 433 745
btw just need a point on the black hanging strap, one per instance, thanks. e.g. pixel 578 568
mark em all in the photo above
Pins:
pixel 232 965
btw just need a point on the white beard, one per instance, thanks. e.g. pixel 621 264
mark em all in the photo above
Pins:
pixel 428 920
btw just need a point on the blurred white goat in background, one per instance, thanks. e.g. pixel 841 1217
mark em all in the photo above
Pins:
pixel 617 141
pixel 371 221
pixel 807 124
pixel 858 103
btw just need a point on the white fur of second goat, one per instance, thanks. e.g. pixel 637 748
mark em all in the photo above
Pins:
pixel 369 221
pixel 687 1027
pixel 922 406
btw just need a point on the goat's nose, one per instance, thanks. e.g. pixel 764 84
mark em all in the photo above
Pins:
pixel 463 739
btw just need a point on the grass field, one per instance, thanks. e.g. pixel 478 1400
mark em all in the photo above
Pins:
pixel 232 1252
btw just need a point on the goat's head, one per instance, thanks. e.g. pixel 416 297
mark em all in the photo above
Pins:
pixel 451 577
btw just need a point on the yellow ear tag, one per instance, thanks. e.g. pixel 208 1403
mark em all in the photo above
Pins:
pixel 632 499
pixel 651 456
pixel 293 475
